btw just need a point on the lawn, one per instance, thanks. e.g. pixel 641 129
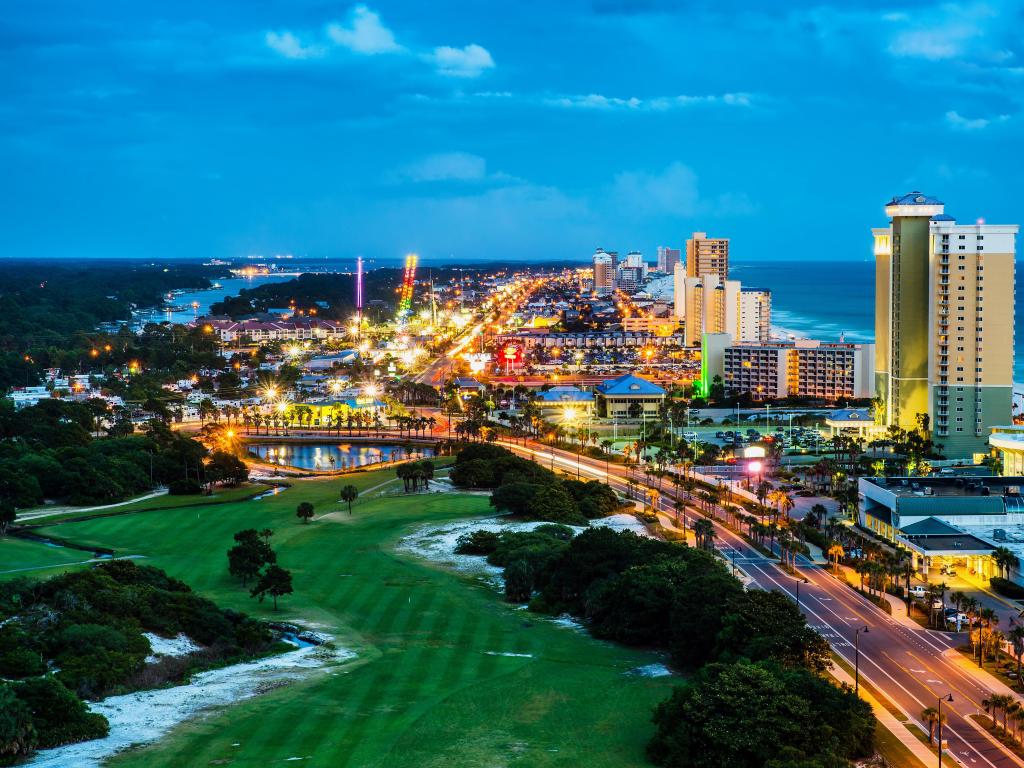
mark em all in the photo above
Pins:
pixel 19 557
pixel 425 689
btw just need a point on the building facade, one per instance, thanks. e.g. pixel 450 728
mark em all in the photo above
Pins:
pixel 802 368
pixel 604 273
pixel 707 256
pixel 668 258
pixel 629 397
pixel 944 315
pixel 755 320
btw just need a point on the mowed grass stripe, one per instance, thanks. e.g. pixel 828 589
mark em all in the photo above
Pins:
pixel 424 693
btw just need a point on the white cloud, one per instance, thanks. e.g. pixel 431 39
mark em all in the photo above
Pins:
pixel 471 61
pixel 364 33
pixel 289 46
pixel 960 123
pixel 673 192
pixel 950 31
pixel 598 101
pixel 447 166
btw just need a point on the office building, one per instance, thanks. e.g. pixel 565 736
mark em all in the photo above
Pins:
pixel 707 256
pixel 604 272
pixel 801 368
pixel 668 258
pixel 630 278
pixel 944 319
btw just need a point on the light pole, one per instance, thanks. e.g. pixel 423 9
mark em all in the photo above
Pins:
pixel 856 657
pixel 948 697
pixel 798 582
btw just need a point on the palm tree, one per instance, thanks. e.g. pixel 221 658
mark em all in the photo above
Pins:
pixel 349 493
pixel 704 531
pixel 1017 640
pixel 1005 560
pixel 836 553
pixel 933 717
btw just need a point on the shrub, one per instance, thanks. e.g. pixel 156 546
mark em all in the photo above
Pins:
pixel 1007 588
pixel 518 581
pixel 184 488
pixel 58 715
pixel 477 543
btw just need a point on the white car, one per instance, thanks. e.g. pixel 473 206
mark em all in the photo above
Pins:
pixel 918 591
pixel 689 435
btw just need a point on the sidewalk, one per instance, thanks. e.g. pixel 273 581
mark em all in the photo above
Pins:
pixel 890 722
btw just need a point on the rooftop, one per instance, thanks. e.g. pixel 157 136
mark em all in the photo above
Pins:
pixel 629 384
pixel 852 415
pixel 987 485
pixel 915 198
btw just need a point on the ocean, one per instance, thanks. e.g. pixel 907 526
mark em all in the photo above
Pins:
pixel 822 300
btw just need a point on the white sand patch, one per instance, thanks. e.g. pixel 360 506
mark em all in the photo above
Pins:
pixel 651 670
pixel 145 716
pixel 181 645
pixel 622 522
pixel 567 621
pixel 437 543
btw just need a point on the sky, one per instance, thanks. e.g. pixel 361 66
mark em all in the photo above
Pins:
pixel 498 130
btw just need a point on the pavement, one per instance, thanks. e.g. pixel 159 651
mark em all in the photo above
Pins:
pixel 913 667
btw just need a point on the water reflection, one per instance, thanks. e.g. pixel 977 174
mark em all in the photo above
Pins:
pixel 334 456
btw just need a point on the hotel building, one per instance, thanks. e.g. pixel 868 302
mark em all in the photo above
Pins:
pixel 707 256
pixel 802 368
pixel 710 305
pixel 668 258
pixel 604 272
pixel 944 323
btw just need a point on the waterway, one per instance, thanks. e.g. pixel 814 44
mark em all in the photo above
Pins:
pixel 328 456
pixel 185 306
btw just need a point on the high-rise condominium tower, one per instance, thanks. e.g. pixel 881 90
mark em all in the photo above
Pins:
pixel 943 323
pixel 604 272
pixel 707 256
pixel 668 258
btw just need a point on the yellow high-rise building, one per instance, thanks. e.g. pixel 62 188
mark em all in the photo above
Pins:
pixel 944 317
pixel 707 256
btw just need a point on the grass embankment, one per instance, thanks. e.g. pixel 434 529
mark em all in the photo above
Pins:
pixel 426 688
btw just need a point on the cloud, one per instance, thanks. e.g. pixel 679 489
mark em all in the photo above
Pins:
pixel 448 166
pixel 289 46
pixel 364 33
pixel 597 101
pixel 470 61
pixel 950 31
pixel 958 122
pixel 672 192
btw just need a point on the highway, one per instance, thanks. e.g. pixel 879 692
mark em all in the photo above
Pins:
pixel 913 667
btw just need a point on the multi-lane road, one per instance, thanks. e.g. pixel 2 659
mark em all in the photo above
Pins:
pixel 912 667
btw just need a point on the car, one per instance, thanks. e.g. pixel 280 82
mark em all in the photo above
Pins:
pixel 719 434
pixel 918 591
pixel 690 435
pixel 937 604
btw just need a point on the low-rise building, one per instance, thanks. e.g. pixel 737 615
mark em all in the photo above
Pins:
pixel 558 400
pixel 629 397
pixel 801 368
pixel 948 523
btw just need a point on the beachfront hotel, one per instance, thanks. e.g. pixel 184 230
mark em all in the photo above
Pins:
pixel 707 256
pixel 944 323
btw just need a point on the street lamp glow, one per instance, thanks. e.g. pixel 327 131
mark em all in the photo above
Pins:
pixel 271 393
pixel 282 407
pixel 569 414
pixel 755 467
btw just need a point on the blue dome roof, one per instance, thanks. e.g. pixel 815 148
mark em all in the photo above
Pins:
pixel 915 198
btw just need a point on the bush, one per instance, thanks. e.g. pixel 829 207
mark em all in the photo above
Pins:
pixel 184 488
pixel 58 715
pixel 1006 588
pixel 477 543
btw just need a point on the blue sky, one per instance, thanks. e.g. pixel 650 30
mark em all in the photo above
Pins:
pixel 498 129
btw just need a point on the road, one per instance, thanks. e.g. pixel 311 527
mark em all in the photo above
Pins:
pixel 912 667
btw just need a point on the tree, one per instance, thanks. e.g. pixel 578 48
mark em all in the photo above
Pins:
pixel 304 511
pixel 704 531
pixel 767 625
pixel 17 734
pixel 1017 639
pixel 1005 560
pixel 933 718
pixel 349 493
pixel 8 514
pixel 275 581
pixel 250 554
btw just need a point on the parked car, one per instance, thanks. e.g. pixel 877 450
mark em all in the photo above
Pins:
pixel 690 435
pixel 918 591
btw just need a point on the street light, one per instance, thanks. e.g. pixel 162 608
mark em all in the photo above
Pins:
pixel 798 582
pixel 948 697
pixel 856 657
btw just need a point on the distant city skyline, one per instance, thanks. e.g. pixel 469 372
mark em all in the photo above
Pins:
pixel 498 131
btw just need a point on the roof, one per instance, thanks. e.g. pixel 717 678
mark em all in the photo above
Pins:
pixel 914 198
pixel 962 542
pixel 629 384
pixel 464 382
pixel 943 217
pixel 565 394
pixel 930 527
pixel 851 414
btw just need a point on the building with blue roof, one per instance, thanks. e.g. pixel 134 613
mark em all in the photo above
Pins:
pixel 615 398
pixel 559 400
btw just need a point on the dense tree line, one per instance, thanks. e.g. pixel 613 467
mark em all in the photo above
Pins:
pixel 79 636
pixel 746 646
pixel 526 489
pixel 48 310
pixel 310 292
pixel 50 451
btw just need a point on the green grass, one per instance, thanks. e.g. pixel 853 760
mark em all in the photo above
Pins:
pixel 20 557
pixel 424 690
